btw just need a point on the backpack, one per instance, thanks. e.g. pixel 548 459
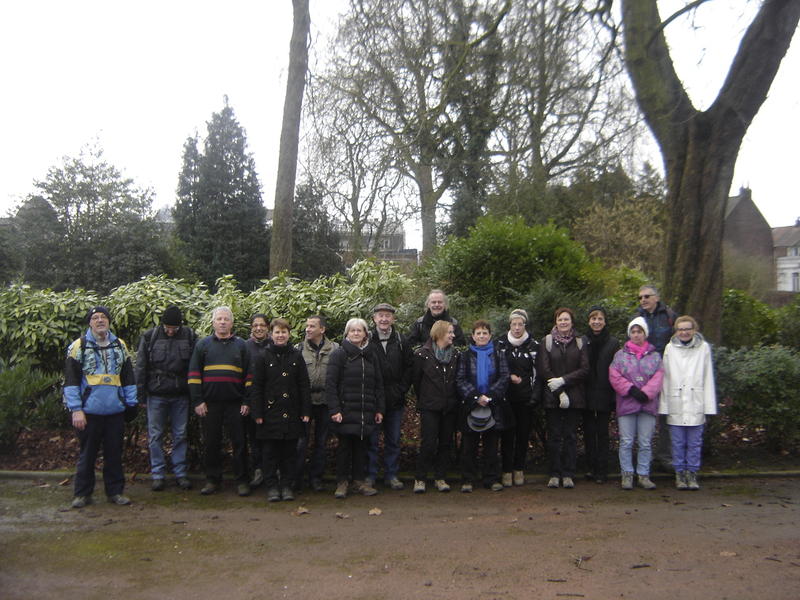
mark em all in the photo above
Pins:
pixel 548 342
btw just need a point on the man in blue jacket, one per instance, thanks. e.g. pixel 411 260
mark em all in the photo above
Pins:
pixel 98 385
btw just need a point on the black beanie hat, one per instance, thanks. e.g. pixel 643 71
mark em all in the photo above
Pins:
pixel 601 309
pixel 98 309
pixel 172 316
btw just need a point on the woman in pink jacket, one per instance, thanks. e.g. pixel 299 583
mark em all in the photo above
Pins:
pixel 636 374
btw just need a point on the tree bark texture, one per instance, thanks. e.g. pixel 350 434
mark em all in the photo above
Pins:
pixel 281 245
pixel 699 148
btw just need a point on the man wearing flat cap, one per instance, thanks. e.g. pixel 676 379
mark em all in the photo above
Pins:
pixel 98 386
pixel 162 368
pixel 397 362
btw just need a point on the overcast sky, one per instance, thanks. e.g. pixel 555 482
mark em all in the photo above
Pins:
pixel 139 77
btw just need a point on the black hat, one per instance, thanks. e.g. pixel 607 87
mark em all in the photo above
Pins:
pixel 98 309
pixel 480 419
pixel 172 316
pixel 384 306
pixel 600 308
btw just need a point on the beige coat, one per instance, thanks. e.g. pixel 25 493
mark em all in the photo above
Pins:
pixel 688 393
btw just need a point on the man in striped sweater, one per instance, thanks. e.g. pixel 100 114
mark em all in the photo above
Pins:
pixel 218 375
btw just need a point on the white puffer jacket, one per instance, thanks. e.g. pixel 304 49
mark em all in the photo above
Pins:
pixel 688 393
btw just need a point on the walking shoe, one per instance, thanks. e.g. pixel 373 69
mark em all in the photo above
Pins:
pixel 466 488
pixel 395 484
pixel 258 478
pixel 81 501
pixel 691 481
pixel 680 480
pixel 627 481
pixel 119 500
pixel 519 478
pixel 567 483
pixel 158 485
pixel 184 483
pixel 441 485
pixel 497 487
pixel 365 488
pixel 341 490
pixel 644 482
pixel 419 486
pixel 287 494
pixel 273 495
pixel 243 489
pixel 369 481
pixel 316 485
pixel 507 480
pixel 209 488
pixel 553 482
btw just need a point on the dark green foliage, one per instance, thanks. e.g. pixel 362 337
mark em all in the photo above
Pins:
pixel 315 243
pixel 789 324
pixel 219 214
pixel 746 321
pixel 10 260
pixel 505 257
pixel 760 388
pixel 88 226
pixel 22 389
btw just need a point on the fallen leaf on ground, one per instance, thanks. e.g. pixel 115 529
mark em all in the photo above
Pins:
pixel 64 481
pixel 341 515
pixel 375 512
pixel 727 553
pixel 301 510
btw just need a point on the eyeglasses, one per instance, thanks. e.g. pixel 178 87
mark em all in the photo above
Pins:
pixel 685 328
pixel 645 296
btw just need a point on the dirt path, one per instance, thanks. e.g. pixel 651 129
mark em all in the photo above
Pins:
pixel 735 539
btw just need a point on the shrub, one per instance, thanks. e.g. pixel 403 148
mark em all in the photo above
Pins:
pixel 503 257
pixel 22 389
pixel 761 388
pixel 746 321
pixel 789 324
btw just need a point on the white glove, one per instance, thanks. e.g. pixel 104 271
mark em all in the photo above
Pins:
pixel 563 400
pixel 554 383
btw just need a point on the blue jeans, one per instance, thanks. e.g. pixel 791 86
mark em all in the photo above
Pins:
pixel 687 447
pixel 638 427
pixel 158 409
pixel 392 421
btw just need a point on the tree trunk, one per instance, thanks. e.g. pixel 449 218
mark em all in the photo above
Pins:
pixel 700 148
pixel 281 247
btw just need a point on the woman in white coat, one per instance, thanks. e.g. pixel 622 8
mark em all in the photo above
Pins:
pixel 687 396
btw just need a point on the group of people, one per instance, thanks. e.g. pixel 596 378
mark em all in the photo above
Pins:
pixel 273 398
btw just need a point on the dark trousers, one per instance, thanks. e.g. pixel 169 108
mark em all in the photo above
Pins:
pixel 662 450
pixel 224 414
pixel 595 438
pixel 253 447
pixel 490 467
pixel 106 431
pixel 351 457
pixel 562 440
pixel 279 455
pixel 514 441
pixel 436 443
pixel 321 419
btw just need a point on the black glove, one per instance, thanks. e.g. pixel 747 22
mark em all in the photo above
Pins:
pixel 638 394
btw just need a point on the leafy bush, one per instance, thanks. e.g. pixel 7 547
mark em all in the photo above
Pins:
pixel 22 389
pixel 761 389
pixel 746 321
pixel 504 257
pixel 789 324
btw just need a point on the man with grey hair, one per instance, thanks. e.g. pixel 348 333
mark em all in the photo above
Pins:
pixel 660 319
pixel 436 310
pixel 218 374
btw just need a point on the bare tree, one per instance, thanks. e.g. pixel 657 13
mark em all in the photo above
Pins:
pixel 564 105
pixel 398 61
pixel 699 148
pixel 281 245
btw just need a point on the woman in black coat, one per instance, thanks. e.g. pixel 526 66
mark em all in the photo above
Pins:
pixel 600 400
pixel 564 366
pixel 354 395
pixel 520 349
pixel 434 379
pixel 280 401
